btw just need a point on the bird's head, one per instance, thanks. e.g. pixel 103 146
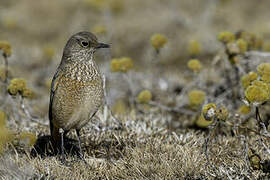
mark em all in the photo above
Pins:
pixel 83 45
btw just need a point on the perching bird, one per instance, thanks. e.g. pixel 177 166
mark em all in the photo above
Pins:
pixel 76 89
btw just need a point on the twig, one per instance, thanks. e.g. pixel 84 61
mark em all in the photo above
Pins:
pixel 105 112
pixel 221 97
pixel 107 108
pixel 257 53
pixel 207 139
pixel 29 115
pixel 246 128
pixel 166 108
pixel 257 115
pixel 265 132
pixel 6 68
pixel 262 127
pixel 130 88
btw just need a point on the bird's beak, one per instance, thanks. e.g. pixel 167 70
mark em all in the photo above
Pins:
pixel 102 45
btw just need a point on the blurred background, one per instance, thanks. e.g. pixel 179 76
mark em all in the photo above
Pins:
pixel 38 31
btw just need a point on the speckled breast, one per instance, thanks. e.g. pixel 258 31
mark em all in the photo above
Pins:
pixel 76 100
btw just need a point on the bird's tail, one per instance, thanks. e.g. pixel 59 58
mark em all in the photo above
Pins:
pixel 55 135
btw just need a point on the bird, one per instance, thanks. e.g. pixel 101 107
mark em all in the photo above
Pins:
pixel 76 90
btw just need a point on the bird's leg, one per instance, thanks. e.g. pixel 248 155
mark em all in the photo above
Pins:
pixel 79 140
pixel 61 131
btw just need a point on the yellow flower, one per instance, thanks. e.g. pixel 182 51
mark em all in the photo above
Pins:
pixel 222 114
pixel 158 41
pixel 194 65
pixel 248 78
pixel 2 119
pixel 242 45
pixel 99 29
pixel 123 64
pixel 209 111
pixel 257 93
pixel 27 138
pixel 203 123
pixel 244 109
pixel 249 38
pixel 226 37
pixel 232 48
pixel 254 42
pixel 194 48
pixel 265 78
pixel 263 68
pixel 6 48
pixel 264 86
pixel 115 65
pixel 144 97
pixel 196 97
pixel 261 84
pixel 126 64
pixel 28 93
pixel 16 85
pixel 264 71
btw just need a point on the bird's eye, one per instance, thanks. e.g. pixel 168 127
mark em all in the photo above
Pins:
pixel 84 43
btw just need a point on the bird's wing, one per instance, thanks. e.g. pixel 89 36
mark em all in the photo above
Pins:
pixel 54 87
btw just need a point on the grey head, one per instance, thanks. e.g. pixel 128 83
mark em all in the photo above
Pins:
pixel 82 46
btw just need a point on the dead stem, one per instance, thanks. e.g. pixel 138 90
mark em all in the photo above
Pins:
pixel 171 109
pixel 257 53
pixel 36 120
pixel 211 131
pixel 6 68
pixel 107 109
pixel 246 128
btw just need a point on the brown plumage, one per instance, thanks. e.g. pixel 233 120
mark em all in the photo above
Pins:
pixel 77 88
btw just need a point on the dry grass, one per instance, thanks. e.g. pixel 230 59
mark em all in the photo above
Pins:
pixel 145 151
